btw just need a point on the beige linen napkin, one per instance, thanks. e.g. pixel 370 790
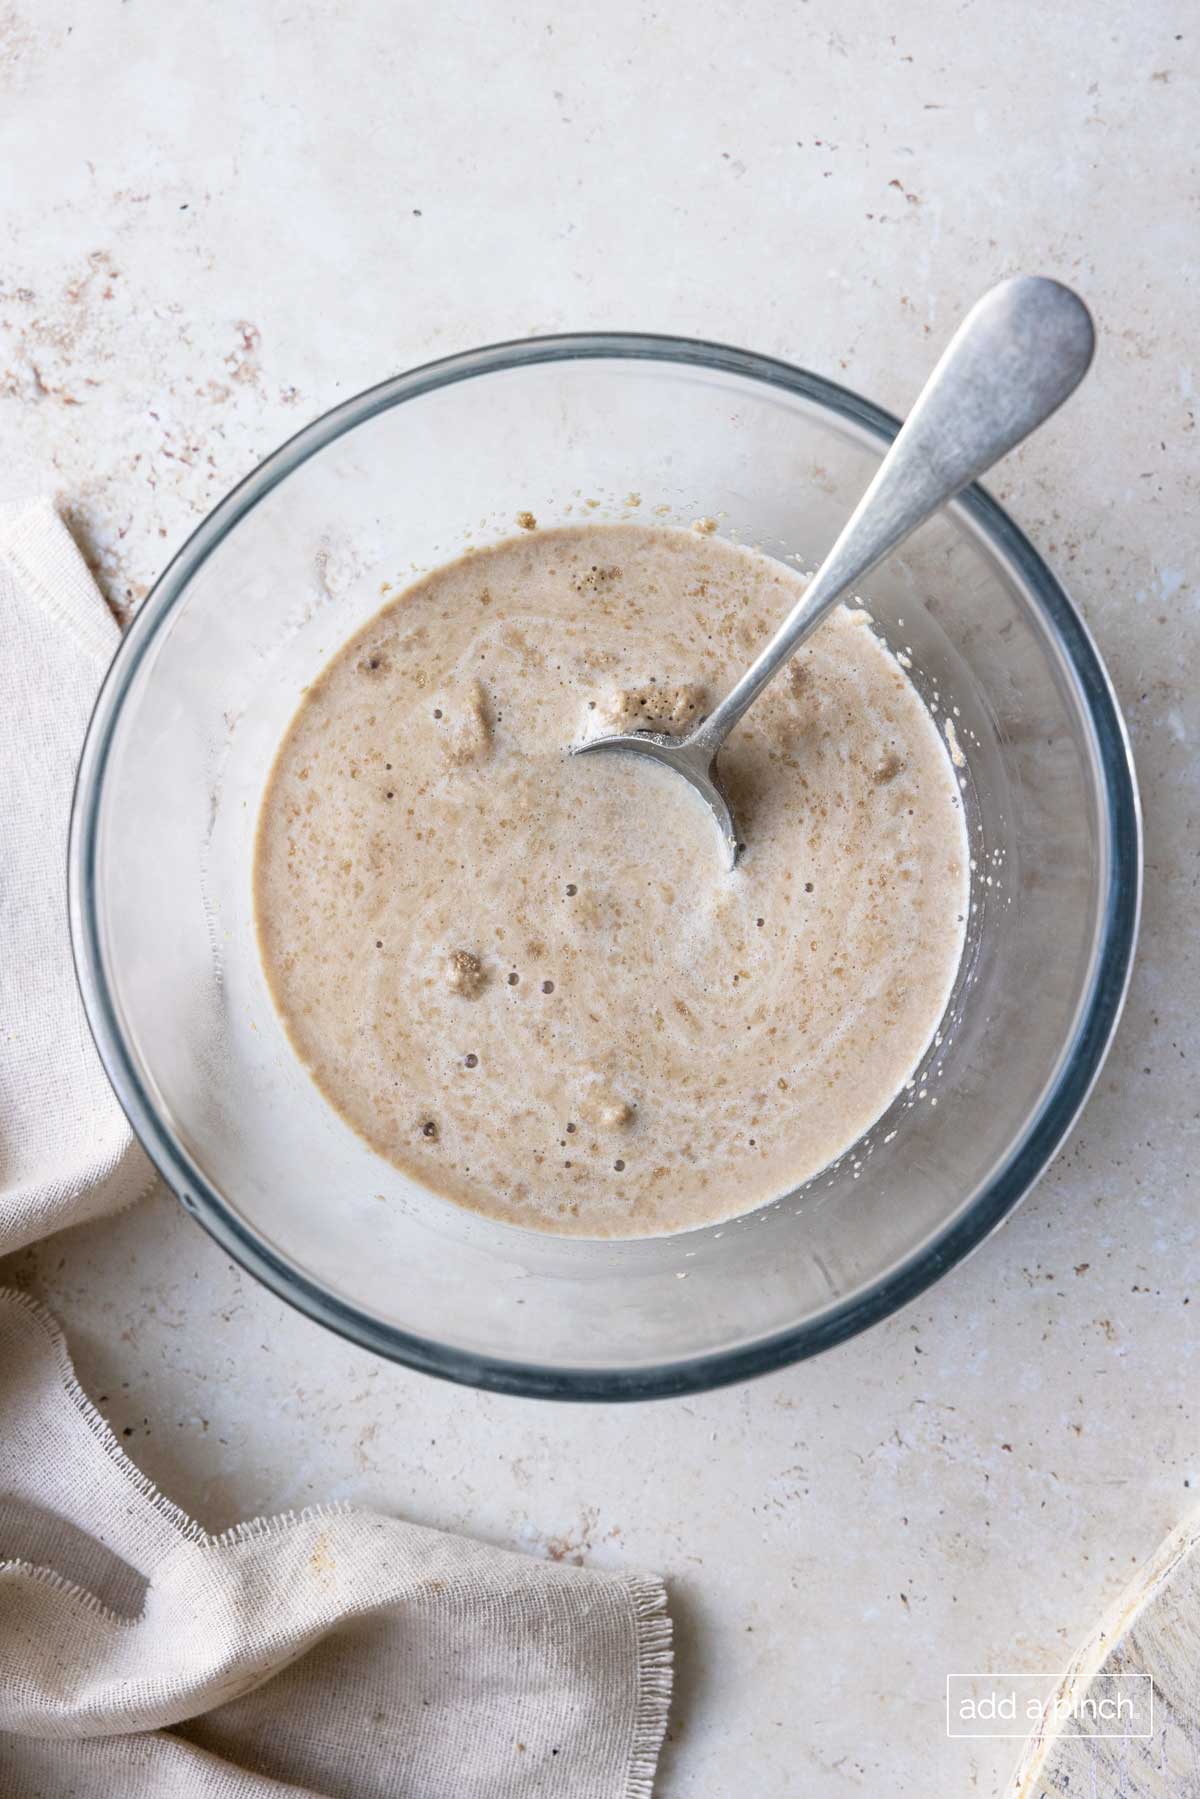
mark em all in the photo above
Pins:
pixel 334 1655
pixel 66 1152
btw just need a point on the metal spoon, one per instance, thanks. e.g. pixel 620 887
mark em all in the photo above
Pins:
pixel 1018 354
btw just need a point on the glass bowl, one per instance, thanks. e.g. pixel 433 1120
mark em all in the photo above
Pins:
pixel 288 566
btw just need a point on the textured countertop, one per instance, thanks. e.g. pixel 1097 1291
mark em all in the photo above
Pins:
pixel 220 220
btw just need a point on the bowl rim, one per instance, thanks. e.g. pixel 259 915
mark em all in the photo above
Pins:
pixel 1079 1062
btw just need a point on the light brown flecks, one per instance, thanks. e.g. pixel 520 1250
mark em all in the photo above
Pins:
pixel 242 361
pixel 609 1111
pixel 952 743
pixel 652 708
pixel 596 578
pixel 465 973
pixel 888 769
pixel 574 1544
pixel 705 526
pixel 467 730
pixel 174 441
pixel 527 521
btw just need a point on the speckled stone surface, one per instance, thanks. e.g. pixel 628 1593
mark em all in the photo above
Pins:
pixel 219 220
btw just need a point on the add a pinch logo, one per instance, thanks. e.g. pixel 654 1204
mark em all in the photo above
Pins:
pixel 1016 1705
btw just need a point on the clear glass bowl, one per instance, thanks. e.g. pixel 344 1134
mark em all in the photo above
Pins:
pixel 291 563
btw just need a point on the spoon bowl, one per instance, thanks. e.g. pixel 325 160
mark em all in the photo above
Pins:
pixel 692 757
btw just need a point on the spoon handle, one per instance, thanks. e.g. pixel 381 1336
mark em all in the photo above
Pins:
pixel 1018 354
